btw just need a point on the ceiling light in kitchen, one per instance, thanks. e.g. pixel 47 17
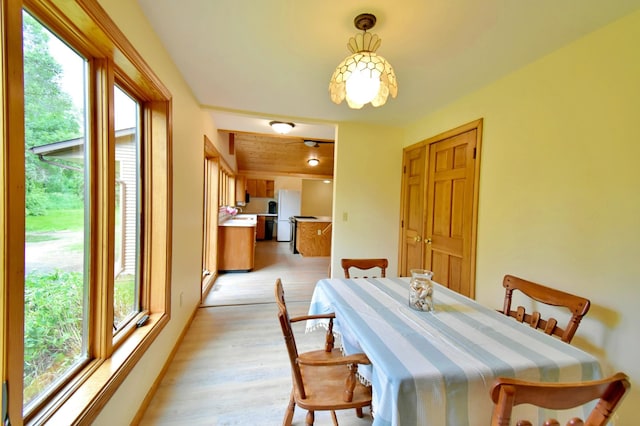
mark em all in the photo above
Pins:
pixel 313 162
pixel 281 127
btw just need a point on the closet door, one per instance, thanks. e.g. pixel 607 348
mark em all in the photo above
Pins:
pixel 413 209
pixel 451 218
pixel 439 207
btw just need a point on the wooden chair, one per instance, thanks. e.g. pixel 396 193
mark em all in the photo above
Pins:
pixel 578 306
pixel 365 264
pixel 507 393
pixel 323 379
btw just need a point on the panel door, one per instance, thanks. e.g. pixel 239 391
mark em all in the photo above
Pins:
pixel 413 210
pixel 450 205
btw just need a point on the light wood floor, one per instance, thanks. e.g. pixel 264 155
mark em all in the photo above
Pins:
pixel 232 367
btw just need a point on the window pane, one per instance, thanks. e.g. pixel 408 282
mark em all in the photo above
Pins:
pixel 126 302
pixel 56 240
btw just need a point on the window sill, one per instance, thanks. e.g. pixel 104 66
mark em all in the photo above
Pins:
pixel 102 378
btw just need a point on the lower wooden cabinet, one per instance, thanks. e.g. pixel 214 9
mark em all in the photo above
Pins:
pixel 236 248
pixel 313 238
pixel 260 228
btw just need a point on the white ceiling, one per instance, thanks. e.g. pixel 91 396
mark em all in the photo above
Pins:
pixel 251 61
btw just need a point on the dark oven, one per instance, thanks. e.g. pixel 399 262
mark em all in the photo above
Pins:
pixel 292 242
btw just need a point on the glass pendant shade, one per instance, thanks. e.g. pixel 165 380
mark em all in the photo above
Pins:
pixel 363 77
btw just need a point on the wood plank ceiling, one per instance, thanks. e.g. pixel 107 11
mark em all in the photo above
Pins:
pixel 281 155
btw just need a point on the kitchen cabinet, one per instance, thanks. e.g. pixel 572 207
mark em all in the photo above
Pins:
pixel 260 228
pixel 263 188
pixel 313 237
pixel 270 188
pixel 236 248
pixel 251 185
pixel 241 188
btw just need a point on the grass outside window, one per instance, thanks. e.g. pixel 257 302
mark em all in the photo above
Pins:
pixel 60 199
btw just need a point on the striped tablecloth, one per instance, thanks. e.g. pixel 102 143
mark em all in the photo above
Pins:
pixel 437 368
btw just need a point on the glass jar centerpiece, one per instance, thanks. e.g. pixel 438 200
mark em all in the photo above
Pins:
pixel 421 290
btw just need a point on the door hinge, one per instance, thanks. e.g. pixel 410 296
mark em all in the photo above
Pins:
pixel 474 153
pixel 5 405
pixel 404 169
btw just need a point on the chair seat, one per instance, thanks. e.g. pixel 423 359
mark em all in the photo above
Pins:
pixel 322 379
pixel 325 388
pixel 321 354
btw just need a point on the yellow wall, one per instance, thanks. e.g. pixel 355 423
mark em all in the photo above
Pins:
pixel 317 198
pixel 558 191
pixel 190 124
pixel 560 185
pixel 366 209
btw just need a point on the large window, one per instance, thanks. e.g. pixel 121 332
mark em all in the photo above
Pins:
pixel 56 204
pixel 127 206
pixel 219 192
pixel 85 217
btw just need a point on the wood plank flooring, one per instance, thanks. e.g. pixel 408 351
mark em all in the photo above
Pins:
pixel 232 367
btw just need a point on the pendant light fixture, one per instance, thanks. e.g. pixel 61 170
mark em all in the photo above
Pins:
pixel 363 77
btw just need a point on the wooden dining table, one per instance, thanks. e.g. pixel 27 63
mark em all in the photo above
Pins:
pixel 436 368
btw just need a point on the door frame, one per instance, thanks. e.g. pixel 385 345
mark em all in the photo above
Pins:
pixel 478 126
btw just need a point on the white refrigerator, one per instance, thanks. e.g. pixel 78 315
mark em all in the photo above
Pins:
pixel 288 205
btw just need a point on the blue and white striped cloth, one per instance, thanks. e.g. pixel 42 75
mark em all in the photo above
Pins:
pixel 436 368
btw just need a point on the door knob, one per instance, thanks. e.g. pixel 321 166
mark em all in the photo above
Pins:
pixel 427 241
pixel 417 238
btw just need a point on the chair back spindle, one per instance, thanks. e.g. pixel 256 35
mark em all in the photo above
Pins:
pixel 578 306
pixel 507 393
pixel 364 265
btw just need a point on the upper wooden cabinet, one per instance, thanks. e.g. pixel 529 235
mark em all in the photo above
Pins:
pixel 270 188
pixel 251 187
pixel 241 187
pixel 260 188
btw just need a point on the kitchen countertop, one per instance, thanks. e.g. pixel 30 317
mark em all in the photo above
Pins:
pixel 241 220
pixel 317 219
pixel 262 214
